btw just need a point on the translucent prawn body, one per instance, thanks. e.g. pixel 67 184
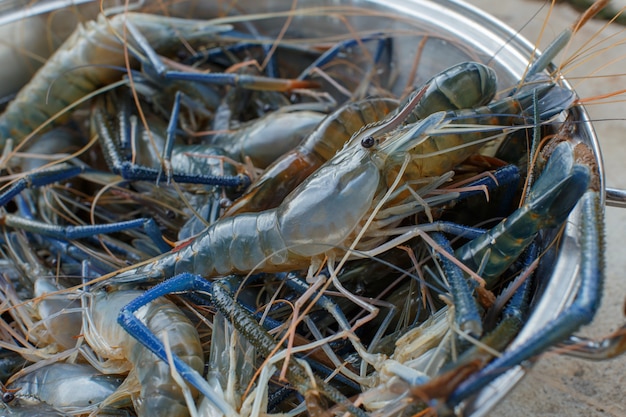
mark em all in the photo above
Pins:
pixel 288 212
pixel 159 394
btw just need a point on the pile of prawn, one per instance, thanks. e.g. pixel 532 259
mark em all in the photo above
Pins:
pixel 340 222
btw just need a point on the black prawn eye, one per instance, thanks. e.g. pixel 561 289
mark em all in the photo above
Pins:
pixel 368 142
pixel 7 397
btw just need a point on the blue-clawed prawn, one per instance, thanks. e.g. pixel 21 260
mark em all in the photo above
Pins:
pixel 323 214
pixel 422 357
pixel 360 119
pixel 92 57
pixel 116 352
pixel 578 170
pixel 88 59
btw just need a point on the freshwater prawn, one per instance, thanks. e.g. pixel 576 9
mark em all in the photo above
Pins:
pixel 468 377
pixel 351 184
pixel 66 317
pixel 364 117
pixel 272 229
pixel 360 164
pixel 93 56
pixel 159 394
pixel 424 357
pixel 72 388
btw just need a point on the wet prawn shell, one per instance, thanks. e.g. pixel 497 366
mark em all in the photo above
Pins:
pixel 160 394
pixel 330 204
pixel 67 385
pixel 268 138
pixel 169 323
pixel 61 316
pixel 107 338
pixel 111 341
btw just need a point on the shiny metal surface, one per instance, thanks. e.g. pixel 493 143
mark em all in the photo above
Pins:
pixel 615 197
pixel 457 32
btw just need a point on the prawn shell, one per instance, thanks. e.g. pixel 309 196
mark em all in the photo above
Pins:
pixel 67 385
pixel 342 191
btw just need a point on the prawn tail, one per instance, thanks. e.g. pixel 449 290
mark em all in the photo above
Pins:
pixel 238 244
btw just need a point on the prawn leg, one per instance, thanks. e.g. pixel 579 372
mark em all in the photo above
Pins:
pixel 108 136
pixel 475 357
pixel 80 232
pixel 26 220
pixel 38 179
pixel 375 74
pixel 550 200
pixel 326 57
pixel 558 44
pixel 467 314
pixel 243 321
pixel 251 82
pixel 580 312
pixel 606 348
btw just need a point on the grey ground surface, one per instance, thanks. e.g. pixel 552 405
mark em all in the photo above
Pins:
pixel 559 385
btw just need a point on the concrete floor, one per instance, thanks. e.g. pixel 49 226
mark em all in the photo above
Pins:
pixel 560 385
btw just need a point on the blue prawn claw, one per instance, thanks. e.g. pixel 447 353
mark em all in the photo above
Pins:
pixel 551 199
pixel 560 186
pixel 570 178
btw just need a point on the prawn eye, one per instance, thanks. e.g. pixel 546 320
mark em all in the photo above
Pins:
pixel 7 397
pixel 368 142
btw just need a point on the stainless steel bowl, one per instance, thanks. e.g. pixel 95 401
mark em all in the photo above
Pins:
pixel 455 32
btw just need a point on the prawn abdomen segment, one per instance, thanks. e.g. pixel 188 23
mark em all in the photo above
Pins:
pixel 242 243
pixel 328 207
